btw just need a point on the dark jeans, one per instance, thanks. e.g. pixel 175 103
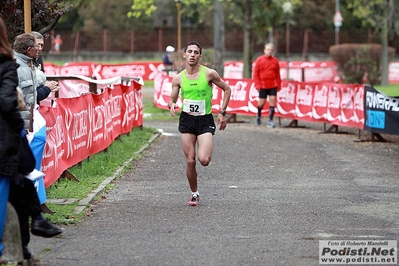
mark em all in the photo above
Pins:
pixel 24 198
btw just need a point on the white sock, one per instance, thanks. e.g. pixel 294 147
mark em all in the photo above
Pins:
pixel 195 193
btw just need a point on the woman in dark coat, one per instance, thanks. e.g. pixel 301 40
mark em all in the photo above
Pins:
pixel 11 125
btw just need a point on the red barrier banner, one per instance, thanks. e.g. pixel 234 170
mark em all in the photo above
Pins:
pixel 295 70
pixel 82 126
pixel 306 71
pixel 51 69
pixel 337 104
pixel 145 70
pixel 393 75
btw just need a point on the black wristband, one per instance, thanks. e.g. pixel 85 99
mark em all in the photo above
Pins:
pixel 222 112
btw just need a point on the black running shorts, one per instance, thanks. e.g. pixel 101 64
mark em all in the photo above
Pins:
pixel 196 125
pixel 264 92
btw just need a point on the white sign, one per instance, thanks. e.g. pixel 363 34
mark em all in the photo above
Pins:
pixel 338 19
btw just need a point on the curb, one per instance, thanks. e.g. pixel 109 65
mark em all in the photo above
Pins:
pixel 82 204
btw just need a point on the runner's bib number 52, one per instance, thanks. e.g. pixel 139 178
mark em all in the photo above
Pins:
pixel 194 107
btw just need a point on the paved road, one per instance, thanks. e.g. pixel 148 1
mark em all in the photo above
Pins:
pixel 294 187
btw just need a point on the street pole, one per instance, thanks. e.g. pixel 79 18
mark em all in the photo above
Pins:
pixel 27 16
pixel 287 37
pixel 178 4
pixel 287 8
pixel 337 24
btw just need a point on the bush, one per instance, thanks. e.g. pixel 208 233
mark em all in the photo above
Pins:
pixel 358 63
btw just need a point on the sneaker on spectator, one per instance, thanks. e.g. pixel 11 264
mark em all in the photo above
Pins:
pixel 271 124
pixel 194 200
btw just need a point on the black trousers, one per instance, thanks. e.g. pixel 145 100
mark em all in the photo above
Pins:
pixel 24 198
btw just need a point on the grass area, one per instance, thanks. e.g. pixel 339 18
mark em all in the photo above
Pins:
pixel 58 62
pixel 112 62
pixel 92 172
pixel 149 83
pixel 391 90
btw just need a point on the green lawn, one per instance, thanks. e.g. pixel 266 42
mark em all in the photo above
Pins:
pixel 391 90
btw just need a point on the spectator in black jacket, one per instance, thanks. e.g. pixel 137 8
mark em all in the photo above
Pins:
pixel 23 195
pixel 11 126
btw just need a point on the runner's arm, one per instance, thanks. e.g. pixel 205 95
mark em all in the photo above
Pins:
pixel 175 93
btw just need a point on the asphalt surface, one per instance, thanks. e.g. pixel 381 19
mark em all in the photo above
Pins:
pixel 267 198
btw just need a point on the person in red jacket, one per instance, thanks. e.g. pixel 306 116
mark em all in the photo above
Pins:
pixel 267 80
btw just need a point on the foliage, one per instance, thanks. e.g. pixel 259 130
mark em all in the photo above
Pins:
pixel 100 14
pixel 208 58
pixel 72 20
pixel 307 14
pixel 359 62
pixel 44 15
pixel 372 14
pixel 265 14
pixel 194 13
pixel 315 14
pixel 142 8
pixel 382 16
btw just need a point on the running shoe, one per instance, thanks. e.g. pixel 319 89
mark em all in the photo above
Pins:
pixel 258 120
pixel 271 124
pixel 194 200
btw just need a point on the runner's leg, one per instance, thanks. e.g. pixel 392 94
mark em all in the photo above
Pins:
pixel 272 102
pixel 205 148
pixel 188 143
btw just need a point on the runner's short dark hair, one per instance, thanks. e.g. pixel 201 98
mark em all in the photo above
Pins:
pixel 194 43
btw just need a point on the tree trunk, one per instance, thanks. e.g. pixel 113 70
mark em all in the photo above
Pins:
pixel 218 36
pixel 246 53
pixel 247 44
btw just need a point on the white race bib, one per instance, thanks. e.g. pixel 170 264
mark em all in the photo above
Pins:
pixel 194 107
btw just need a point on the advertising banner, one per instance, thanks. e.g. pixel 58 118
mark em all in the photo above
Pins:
pixel 145 70
pixel 82 126
pixel 302 71
pixel 381 112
